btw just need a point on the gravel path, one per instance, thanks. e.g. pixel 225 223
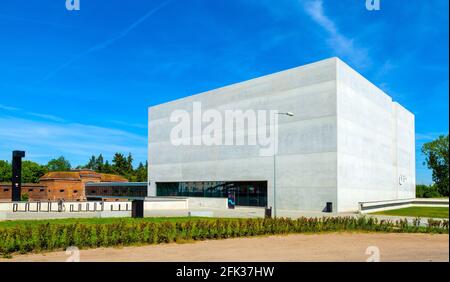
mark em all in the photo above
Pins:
pixel 314 247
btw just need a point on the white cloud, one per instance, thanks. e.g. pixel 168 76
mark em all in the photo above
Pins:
pixel 344 46
pixel 39 115
pixel 46 116
pixel 46 140
pixel 8 108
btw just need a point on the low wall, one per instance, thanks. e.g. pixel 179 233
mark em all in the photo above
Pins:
pixel 6 207
pixel 367 207
pixel 160 203
pixel 213 203
pixel 66 206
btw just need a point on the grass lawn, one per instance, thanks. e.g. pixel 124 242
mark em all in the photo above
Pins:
pixel 13 223
pixel 435 212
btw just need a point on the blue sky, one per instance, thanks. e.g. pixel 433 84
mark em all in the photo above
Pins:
pixel 75 83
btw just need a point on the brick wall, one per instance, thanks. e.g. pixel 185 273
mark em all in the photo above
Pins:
pixel 35 192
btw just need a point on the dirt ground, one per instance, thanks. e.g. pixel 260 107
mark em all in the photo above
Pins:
pixel 314 247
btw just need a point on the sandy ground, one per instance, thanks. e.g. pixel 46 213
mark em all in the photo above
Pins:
pixel 314 247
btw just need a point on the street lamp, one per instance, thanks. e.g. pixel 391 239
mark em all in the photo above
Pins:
pixel 274 166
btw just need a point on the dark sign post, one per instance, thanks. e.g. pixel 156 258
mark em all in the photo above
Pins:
pixel 231 200
pixel 17 175
pixel 137 208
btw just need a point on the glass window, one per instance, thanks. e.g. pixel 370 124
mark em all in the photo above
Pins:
pixel 247 193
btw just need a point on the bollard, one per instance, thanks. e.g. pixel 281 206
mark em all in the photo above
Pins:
pixel 268 212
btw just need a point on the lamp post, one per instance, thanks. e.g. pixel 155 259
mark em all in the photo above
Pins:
pixel 274 165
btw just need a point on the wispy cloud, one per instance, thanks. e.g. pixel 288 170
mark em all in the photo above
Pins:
pixel 78 142
pixel 108 42
pixel 8 108
pixel 33 114
pixel 46 116
pixel 343 46
pixel 428 136
pixel 123 123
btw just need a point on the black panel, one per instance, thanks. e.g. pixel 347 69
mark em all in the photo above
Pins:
pixel 137 208
pixel 17 175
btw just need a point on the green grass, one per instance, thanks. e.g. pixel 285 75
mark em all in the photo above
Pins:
pixel 89 221
pixel 434 212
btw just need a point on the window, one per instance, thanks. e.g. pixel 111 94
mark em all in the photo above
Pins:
pixel 247 193
pixel 41 190
pixel 30 190
pixel 75 191
pixel 61 191
pixel 6 190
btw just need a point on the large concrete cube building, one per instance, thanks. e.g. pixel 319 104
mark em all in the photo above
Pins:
pixel 347 142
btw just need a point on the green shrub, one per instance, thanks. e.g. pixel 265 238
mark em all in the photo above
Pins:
pixel 27 238
pixel 425 191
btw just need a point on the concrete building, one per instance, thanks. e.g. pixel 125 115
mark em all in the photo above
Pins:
pixel 347 142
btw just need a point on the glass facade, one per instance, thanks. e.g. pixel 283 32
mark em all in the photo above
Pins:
pixel 247 193
pixel 116 190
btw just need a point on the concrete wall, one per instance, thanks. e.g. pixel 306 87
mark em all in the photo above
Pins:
pixel 347 143
pixel 375 143
pixel 306 160
pixel 214 203
pixel 166 204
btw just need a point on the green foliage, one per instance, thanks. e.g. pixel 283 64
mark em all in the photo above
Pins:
pixel 121 165
pixel 140 174
pixel 31 171
pixel 437 154
pixel 26 238
pixel 59 164
pixel 425 191
pixel 24 197
pixel 5 171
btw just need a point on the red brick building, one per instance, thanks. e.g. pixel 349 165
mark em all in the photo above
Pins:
pixel 60 185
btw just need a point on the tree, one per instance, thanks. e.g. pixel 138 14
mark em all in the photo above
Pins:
pixel 141 173
pixel 427 191
pixel 120 165
pixel 129 168
pixel 5 171
pixel 107 167
pixel 59 164
pixel 99 165
pixel 92 163
pixel 31 171
pixel 437 154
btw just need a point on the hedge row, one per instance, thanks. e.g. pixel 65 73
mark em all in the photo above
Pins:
pixel 28 238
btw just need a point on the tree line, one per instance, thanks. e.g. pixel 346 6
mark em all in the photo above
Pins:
pixel 121 165
pixel 436 158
